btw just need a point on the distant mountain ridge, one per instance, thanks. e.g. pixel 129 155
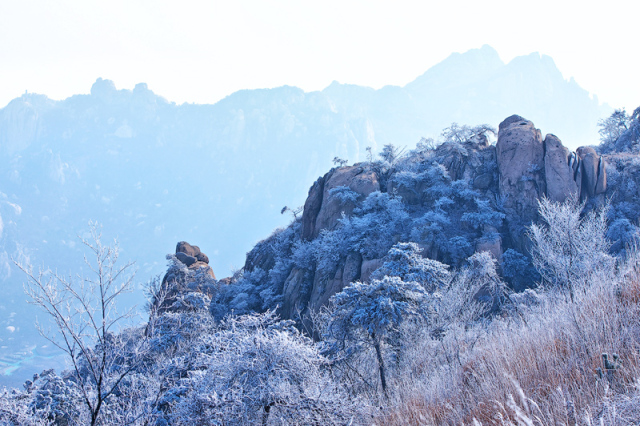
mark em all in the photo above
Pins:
pixel 153 172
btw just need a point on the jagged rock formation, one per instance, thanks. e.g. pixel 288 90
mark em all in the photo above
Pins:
pixel 460 198
pixel 512 174
pixel 531 167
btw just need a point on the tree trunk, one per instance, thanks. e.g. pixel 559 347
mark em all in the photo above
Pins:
pixel 383 380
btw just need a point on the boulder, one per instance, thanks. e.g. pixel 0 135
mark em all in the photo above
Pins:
pixel 589 174
pixel 483 181
pixel 188 249
pixel 584 150
pixel 185 258
pixel 178 282
pixel 193 258
pixel 559 174
pixel 520 156
pixel 594 172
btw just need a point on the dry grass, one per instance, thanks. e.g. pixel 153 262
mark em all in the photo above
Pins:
pixel 539 370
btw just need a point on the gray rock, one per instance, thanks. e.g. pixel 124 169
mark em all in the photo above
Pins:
pixel 369 267
pixel 558 171
pixel 584 150
pixel 325 287
pixel 594 172
pixel 492 245
pixel 186 248
pixel 202 257
pixel 483 181
pixel 185 258
pixel 575 162
pixel 601 184
pixel 590 163
pixel 294 299
pixel 312 207
pixel 261 256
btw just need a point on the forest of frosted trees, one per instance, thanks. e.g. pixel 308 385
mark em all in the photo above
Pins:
pixel 439 334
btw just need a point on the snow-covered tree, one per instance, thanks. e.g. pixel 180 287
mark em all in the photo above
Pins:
pixel 405 262
pixel 255 369
pixel 569 246
pixel 457 134
pixel 365 317
pixel 475 291
pixel 613 126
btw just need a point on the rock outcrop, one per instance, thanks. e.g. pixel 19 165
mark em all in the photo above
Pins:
pixel 594 173
pixel 326 204
pixel 531 167
pixel 326 286
pixel 497 185
pixel 559 173
pixel 193 258
pixel 518 170
pixel 190 273
pixel 520 156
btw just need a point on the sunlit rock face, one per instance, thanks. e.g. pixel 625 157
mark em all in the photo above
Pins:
pixel 324 207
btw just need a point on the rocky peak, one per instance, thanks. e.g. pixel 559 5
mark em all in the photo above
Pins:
pixel 188 273
pixel 520 157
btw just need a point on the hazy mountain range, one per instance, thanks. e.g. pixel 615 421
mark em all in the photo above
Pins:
pixel 154 173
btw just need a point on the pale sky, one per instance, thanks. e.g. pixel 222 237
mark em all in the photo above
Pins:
pixel 202 51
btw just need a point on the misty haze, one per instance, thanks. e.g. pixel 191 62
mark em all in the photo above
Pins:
pixel 461 248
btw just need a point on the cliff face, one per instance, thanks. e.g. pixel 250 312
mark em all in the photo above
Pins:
pixel 462 197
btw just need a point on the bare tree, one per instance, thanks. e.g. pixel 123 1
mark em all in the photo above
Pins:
pixel 87 321
pixel 340 162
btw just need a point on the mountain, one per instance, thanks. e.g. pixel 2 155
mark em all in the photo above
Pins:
pixel 153 172
pixel 406 280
